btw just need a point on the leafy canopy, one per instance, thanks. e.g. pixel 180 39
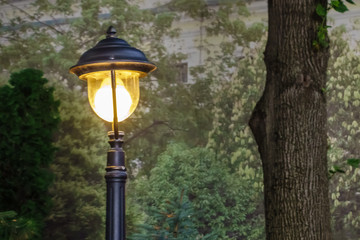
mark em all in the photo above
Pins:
pixel 28 119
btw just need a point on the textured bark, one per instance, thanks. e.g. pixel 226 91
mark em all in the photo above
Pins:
pixel 289 125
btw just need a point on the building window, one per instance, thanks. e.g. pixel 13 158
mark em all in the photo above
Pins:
pixel 182 72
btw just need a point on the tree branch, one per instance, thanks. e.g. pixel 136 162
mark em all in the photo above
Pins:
pixel 146 130
pixel 31 17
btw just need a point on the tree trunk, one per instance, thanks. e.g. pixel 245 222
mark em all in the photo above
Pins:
pixel 289 125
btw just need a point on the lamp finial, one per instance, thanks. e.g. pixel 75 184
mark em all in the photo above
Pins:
pixel 111 32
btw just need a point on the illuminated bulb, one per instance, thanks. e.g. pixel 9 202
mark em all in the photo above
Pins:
pixel 104 104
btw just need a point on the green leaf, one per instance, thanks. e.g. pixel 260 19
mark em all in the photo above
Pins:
pixel 320 10
pixel 322 39
pixel 316 45
pixel 339 6
pixel 350 1
pixel 335 3
pixel 353 162
pixel 7 214
pixel 338 169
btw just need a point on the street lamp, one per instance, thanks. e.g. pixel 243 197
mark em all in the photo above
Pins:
pixel 112 70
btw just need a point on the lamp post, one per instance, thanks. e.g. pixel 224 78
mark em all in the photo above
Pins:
pixel 112 70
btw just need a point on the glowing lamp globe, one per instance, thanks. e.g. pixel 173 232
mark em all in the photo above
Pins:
pixel 100 93
pixel 112 70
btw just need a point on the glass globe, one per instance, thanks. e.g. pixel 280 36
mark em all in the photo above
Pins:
pixel 100 93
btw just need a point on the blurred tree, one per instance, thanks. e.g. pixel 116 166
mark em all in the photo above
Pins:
pixel 235 71
pixel 223 203
pixel 78 192
pixel 13 227
pixel 231 138
pixel 169 111
pixel 344 133
pixel 29 118
pixel 52 46
pixel 173 221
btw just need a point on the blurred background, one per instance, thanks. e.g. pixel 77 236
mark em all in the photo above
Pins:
pixel 193 165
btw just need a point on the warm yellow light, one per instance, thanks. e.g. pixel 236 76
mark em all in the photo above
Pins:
pixel 104 96
pixel 100 93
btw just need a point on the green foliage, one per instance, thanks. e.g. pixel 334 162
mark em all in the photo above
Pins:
pixel 235 86
pixel 230 138
pixel 353 162
pixel 55 47
pixel 335 169
pixel 350 1
pixel 78 211
pixel 29 117
pixel 78 191
pixel 223 203
pixel 16 228
pixel 321 11
pixel 169 111
pixel 343 121
pixel 196 9
pixel 339 6
pixel 233 105
pixel 173 221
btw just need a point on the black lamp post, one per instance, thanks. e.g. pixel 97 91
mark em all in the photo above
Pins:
pixel 112 70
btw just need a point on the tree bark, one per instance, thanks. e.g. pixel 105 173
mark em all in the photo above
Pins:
pixel 289 125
